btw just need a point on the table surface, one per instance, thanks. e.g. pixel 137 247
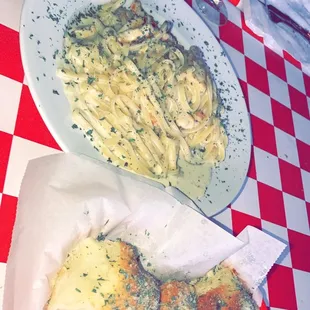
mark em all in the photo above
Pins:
pixel 276 197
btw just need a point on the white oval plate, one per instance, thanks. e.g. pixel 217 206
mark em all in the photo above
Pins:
pixel 41 34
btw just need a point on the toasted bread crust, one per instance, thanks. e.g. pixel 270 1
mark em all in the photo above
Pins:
pixel 221 288
pixel 177 295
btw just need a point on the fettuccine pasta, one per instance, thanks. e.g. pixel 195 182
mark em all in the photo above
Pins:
pixel 144 101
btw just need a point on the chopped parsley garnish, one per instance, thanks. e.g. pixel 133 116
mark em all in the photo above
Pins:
pixel 90 80
pixel 100 237
pixel 84 275
pixel 140 130
pixel 89 132
pixel 55 54
pixel 74 126
pixel 55 92
pixel 113 129
pixel 78 290
pixel 131 140
pixel 100 49
pixel 94 290
pixel 124 273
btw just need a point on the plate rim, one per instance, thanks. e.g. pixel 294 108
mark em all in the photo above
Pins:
pixel 58 136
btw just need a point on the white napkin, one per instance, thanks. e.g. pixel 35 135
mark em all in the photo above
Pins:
pixel 280 36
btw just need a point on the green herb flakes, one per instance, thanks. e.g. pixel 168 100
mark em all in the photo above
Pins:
pixel 100 237
pixel 124 273
pixel 90 80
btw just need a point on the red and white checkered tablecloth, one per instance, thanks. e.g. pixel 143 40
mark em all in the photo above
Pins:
pixel 276 197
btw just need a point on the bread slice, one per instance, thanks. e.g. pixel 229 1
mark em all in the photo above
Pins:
pixel 177 295
pixel 221 288
pixel 103 275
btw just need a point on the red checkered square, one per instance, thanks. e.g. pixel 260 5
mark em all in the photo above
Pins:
pixel 271 204
pixel 249 31
pixel 307 83
pixel 232 35
pixel 10 59
pixel 263 135
pixel 304 155
pixel 241 220
pixel 300 250
pixel 292 60
pixel 244 87
pixel 257 76
pixel 252 167
pixel 29 124
pixel 281 288
pixel 6 142
pixel 282 117
pixel 298 102
pixel 7 219
pixel 275 63
pixel 291 179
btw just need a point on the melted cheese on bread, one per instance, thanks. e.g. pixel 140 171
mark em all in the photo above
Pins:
pixel 100 275
pixel 222 289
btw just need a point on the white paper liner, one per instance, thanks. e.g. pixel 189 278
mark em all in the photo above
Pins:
pixel 256 258
pixel 65 198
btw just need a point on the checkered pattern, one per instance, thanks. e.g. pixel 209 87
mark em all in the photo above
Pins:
pixel 276 197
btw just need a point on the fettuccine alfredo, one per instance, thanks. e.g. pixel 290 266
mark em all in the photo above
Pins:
pixel 145 103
